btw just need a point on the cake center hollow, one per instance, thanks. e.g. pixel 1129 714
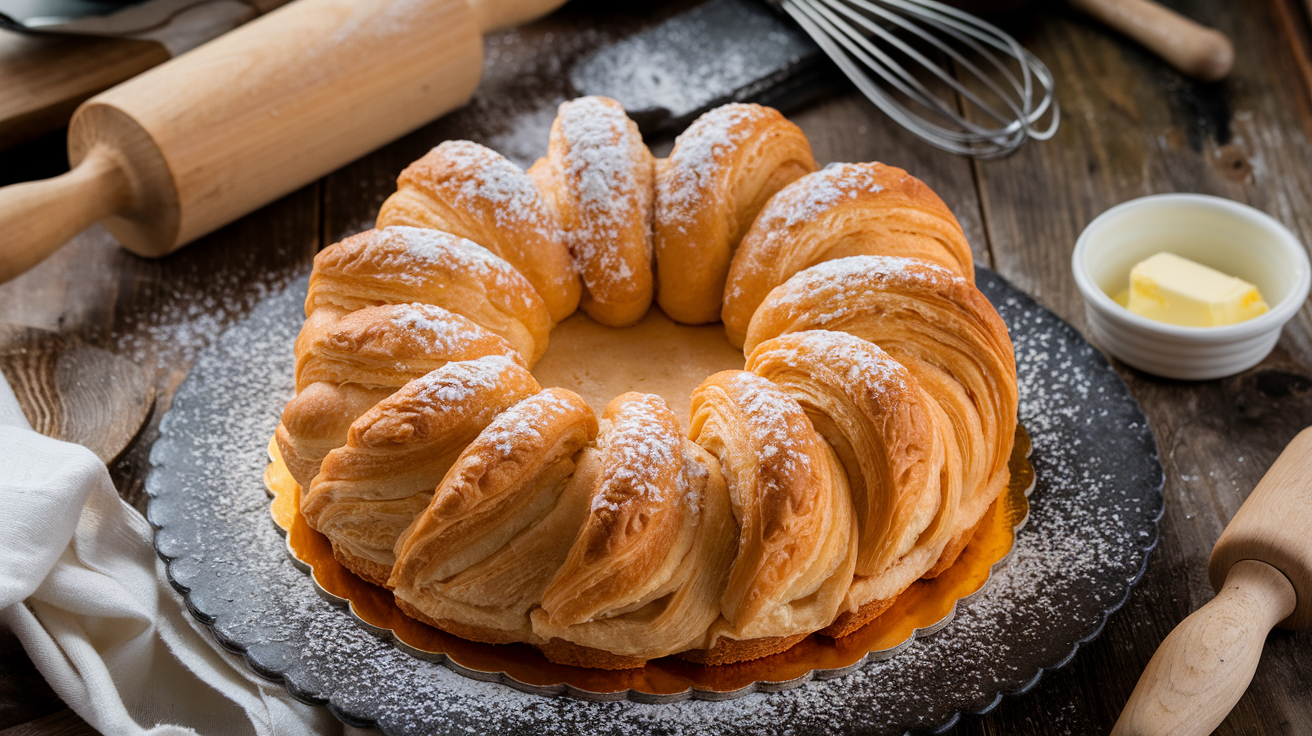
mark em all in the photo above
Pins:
pixel 655 356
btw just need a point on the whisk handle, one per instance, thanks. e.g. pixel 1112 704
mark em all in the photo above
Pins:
pixel 1196 50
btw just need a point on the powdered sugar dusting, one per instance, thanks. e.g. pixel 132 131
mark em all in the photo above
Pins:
pixel 828 290
pixel 817 192
pixel 691 482
pixel 428 249
pixel 694 163
pixel 414 255
pixel 882 268
pixel 439 332
pixel 797 204
pixel 768 411
pixel 483 175
pixel 1092 522
pixel 600 164
pixel 461 382
pixel 859 365
pixel 641 444
pixel 521 423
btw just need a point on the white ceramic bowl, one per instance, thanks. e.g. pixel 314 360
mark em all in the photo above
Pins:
pixel 1226 235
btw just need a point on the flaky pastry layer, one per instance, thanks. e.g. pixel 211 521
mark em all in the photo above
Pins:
pixel 857 451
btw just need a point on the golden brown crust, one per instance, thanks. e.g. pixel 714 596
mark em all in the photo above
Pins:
pixel 598 178
pixel 644 576
pixel 349 364
pixel 729 651
pixel 501 522
pixel 850 621
pixel 500 484
pixel 879 421
pixel 401 265
pixel 472 632
pixel 952 551
pixel 842 210
pixel 937 325
pixel 565 652
pixel 369 490
pixel 796 541
pixel 388 345
pixel 722 170
pixel 635 516
pixel 315 422
pixel 368 570
pixel 472 191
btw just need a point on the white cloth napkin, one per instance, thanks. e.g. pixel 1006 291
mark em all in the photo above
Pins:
pixel 82 587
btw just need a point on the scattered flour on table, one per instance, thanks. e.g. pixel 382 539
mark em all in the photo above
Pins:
pixel 1083 544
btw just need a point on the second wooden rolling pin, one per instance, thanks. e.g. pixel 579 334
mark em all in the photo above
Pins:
pixel 1261 568
pixel 201 140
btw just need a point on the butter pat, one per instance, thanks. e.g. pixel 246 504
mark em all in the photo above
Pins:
pixel 1178 291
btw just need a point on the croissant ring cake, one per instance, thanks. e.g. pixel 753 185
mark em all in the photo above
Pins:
pixel 855 452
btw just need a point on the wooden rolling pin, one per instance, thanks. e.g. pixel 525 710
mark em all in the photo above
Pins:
pixel 1200 52
pixel 1261 568
pixel 205 138
pixel 45 76
pixel 1196 50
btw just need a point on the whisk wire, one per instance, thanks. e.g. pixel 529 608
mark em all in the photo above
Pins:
pixel 862 37
pixel 930 66
pixel 959 23
pixel 942 137
pixel 863 49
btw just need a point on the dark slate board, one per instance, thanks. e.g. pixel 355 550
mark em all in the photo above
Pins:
pixel 1093 521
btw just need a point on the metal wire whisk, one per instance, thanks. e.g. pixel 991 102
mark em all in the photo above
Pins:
pixel 877 43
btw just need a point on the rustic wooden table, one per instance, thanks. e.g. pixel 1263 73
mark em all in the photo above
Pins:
pixel 1131 127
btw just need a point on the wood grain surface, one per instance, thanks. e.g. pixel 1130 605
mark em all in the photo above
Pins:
pixel 45 78
pixel 1131 126
pixel 76 392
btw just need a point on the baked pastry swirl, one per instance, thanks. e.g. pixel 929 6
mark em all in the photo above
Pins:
pixel 401 265
pixel 946 334
pixel 644 575
pixel 597 178
pixel 722 171
pixel 797 538
pixel 369 491
pixel 891 439
pixel 842 210
pixel 347 366
pixel 500 524
pixel 471 191
pixel 856 452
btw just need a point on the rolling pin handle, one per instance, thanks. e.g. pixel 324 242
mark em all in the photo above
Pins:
pixel 1204 666
pixel 1200 52
pixel 38 217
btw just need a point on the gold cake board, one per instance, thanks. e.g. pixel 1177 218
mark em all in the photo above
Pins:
pixel 922 609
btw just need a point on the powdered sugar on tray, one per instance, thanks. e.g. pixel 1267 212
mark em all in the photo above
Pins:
pixel 1092 520
pixel 181 323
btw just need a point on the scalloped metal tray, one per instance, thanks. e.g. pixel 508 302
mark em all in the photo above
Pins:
pixel 923 610
pixel 1092 523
